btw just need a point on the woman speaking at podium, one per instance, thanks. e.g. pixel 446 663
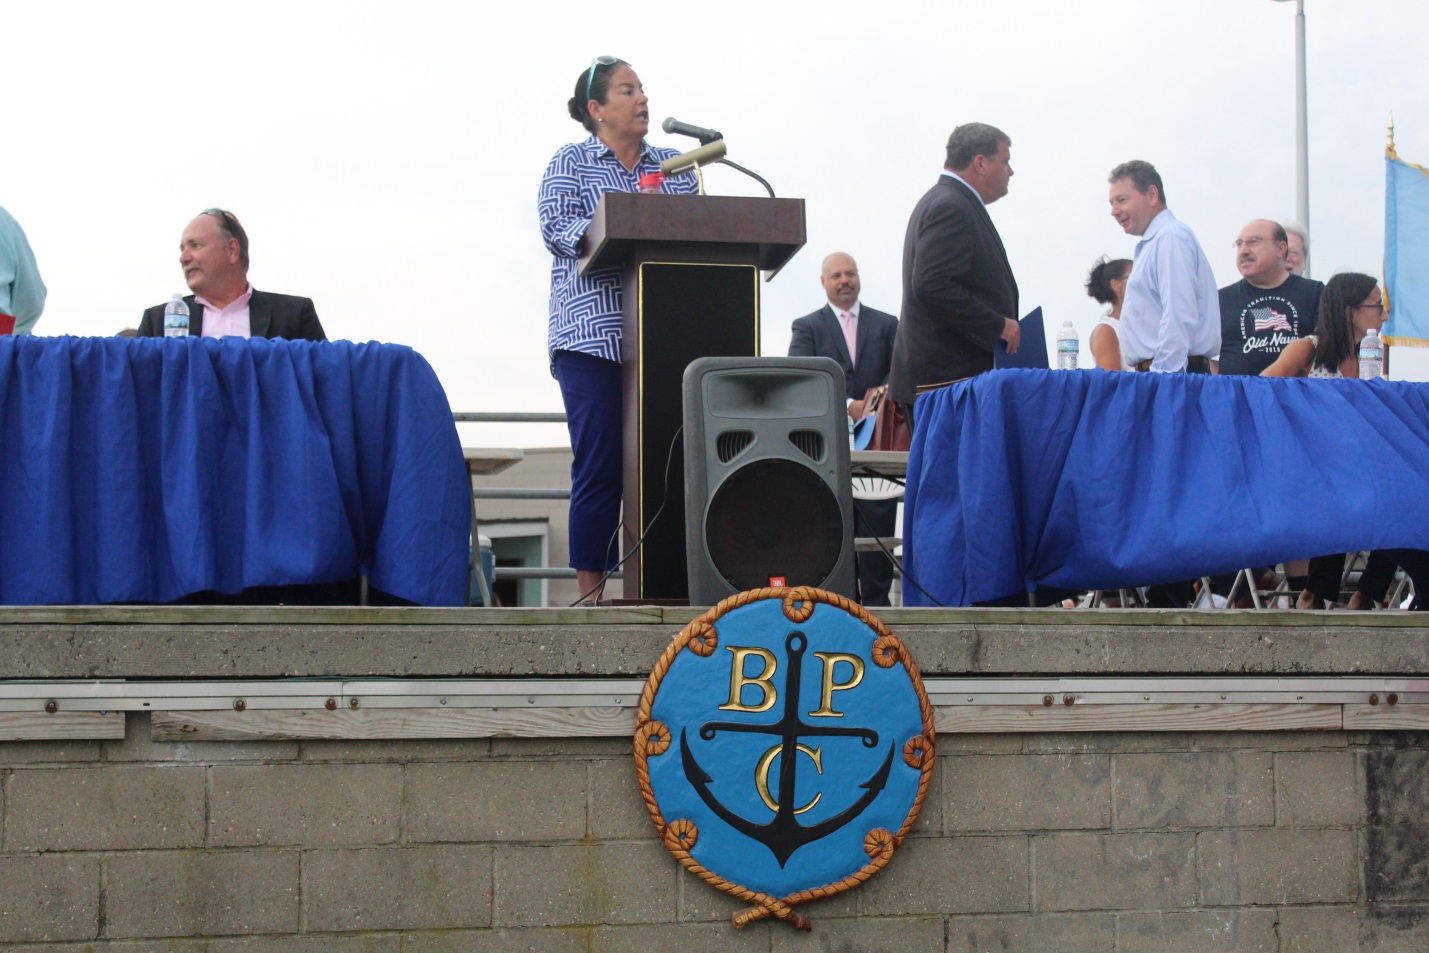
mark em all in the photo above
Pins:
pixel 585 311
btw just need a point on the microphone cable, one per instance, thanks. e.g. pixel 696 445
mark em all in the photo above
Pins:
pixel 664 498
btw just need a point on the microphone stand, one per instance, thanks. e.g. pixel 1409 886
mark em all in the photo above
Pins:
pixel 753 175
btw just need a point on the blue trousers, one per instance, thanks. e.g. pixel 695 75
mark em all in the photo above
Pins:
pixel 590 389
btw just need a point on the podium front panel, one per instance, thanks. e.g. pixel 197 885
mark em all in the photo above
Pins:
pixel 683 311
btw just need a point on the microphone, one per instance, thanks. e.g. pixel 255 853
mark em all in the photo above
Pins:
pixel 687 161
pixel 677 128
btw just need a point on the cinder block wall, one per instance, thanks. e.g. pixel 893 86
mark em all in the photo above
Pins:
pixel 1315 841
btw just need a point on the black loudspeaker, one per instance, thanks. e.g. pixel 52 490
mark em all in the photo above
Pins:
pixel 767 489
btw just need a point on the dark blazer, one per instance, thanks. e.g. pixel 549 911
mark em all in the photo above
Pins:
pixel 821 335
pixel 269 316
pixel 957 289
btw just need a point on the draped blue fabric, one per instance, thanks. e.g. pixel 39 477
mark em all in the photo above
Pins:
pixel 142 470
pixel 1090 480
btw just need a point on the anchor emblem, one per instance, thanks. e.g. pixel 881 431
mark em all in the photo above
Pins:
pixel 783 834
pixel 710 801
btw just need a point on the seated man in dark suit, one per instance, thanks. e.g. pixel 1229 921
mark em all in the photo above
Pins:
pixel 213 253
pixel 861 340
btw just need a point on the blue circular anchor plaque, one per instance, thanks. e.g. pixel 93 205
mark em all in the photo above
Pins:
pixel 784 744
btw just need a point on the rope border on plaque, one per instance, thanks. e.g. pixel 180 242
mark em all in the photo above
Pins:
pixel 653 738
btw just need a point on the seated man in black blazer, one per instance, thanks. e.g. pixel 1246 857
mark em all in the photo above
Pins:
pixel 213 253
pixel 861 340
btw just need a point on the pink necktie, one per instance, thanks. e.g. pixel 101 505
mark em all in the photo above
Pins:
pixel 850 335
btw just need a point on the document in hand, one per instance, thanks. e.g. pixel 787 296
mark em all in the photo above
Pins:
pixel 1032 352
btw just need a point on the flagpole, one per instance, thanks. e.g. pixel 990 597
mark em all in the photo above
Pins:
pixel 1302 134
pixel 1389 152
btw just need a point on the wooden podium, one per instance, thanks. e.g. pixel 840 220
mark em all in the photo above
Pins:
pixel 690 269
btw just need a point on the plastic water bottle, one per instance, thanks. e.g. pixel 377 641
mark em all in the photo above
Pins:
pixel 1067 347
pixel 176 318
pixel 1371 356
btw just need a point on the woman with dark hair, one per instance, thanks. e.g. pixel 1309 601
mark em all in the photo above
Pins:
pixel 1107 285
pixel 1350 305
pixel 583 339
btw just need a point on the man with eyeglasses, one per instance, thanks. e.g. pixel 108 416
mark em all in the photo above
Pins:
pixel 213 254
pixel 1269 307
pixel 1170 318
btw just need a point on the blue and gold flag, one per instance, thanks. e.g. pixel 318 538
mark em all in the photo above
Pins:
pixel 1406 250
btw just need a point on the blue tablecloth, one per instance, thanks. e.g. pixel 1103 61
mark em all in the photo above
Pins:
pixel 1093 480
pixel 142 470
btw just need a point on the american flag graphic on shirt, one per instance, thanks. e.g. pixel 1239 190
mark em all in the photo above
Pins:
pixel 1268 319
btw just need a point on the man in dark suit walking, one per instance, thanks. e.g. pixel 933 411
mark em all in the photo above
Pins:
pixel 959 296
pixel 213 253
pixel 861 340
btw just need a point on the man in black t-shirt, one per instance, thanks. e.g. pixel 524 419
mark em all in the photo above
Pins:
pixel 1269 307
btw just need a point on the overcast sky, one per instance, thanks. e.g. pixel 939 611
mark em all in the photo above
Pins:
pixel 385 156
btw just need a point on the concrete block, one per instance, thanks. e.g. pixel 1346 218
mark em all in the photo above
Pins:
pixel 1026 792
pixel 549 748
pixel 496 801
pixel 1239 868
pixel 943 875
pixel 1395 792
pixel 308 943
pixel 1104 742
pixel 116 946
pixel 1376 928
pixel 1040 933
pixel 104 807
pixel 397 752
pixel 687 937
pixel 1204 931
pixel 1394 863
pixel 308 805
pixel 201 893
pixel 1387 739
pixel 551 940
pixel 950 744
pixel 1194 789
pixel 1270 740
pixel 1319 789
pixel 617 812
pixel 49 897
pixel 397 888
pixel 1114 871
pixel 865 934
pixel 1010 647
pixel 14 753
pixel 584 885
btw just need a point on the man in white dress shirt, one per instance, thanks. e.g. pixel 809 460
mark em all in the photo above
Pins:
pixel 1171 318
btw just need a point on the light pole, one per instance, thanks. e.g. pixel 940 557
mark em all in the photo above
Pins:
pixel 1302 135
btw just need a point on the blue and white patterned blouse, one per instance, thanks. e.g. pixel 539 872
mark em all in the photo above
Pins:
pixel 585 309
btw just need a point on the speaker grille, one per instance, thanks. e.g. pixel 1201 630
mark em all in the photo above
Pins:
pixel 810 443
pixel 732 443
pixel 774 518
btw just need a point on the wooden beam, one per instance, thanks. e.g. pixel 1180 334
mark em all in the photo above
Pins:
pixel 62 726
pixel 1387 717
pixel 393 723
pixel 960 719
